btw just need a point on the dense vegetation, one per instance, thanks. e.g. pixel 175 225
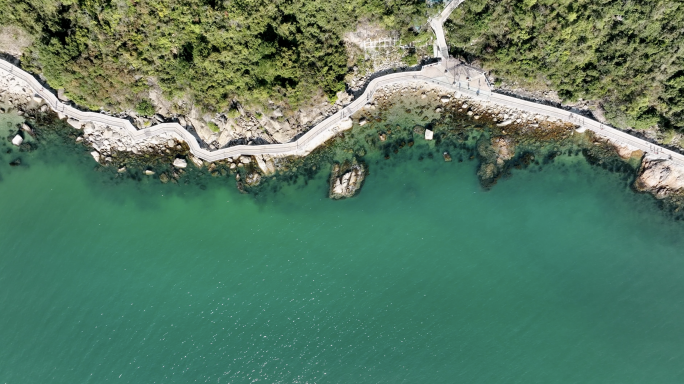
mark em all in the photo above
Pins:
pixel 213 52
pixel 626 53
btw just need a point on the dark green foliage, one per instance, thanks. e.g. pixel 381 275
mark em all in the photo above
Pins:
pixel 213 126
pixel 145 108
pixel 624 53
pixel 213 52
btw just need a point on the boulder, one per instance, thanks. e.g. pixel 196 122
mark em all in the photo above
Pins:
pixel 180 163
pixel 445 99
pixel 266 164
pixel 447 156
pixel 428 134
pixel 245 159
pixel 197 161
pixel 363 121
pixel 149 172
pixel 27 129
pixel 17 140
pixel 95 155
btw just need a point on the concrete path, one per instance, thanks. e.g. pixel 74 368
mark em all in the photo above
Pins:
pixel 437 22
pixel 439 75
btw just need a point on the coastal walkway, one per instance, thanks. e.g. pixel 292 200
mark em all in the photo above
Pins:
pixel 435 75
pixel 437 23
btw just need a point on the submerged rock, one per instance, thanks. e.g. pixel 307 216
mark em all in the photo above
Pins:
pixel 346 180
pixel 252 179
pixel 447 156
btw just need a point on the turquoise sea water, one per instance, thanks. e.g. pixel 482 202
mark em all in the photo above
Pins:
pixel 559 275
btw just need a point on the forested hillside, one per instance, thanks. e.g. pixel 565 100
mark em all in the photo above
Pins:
pixel 628 53
pixel 212 51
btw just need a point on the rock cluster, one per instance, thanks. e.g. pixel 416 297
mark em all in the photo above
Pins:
pixel 346 179
pixel 107 139
pixel 15 94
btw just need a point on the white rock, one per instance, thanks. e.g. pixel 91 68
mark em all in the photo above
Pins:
pixel 428 134
pixel 180 163
pixel 445 99
pixel 88 129
pixel 17 140
pixel 197 161
pixel 345 124
pixel 74 123
pixel 245 159
pixel 266 164
pixel 149 172
pixel 362 121
pixel 95 155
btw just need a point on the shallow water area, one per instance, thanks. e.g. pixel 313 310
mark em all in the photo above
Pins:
pixel 559 273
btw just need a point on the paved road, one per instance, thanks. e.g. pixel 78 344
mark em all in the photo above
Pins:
pixel 331 126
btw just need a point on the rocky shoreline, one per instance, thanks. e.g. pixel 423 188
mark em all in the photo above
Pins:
pixel 509 144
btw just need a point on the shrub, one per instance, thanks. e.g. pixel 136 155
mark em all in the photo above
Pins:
pixel 145 108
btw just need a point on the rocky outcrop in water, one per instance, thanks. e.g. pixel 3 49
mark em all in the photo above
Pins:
pixel 660 177
pixel 494 153
pixel 346 179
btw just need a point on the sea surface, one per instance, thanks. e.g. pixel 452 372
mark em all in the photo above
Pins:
pixel 558 274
